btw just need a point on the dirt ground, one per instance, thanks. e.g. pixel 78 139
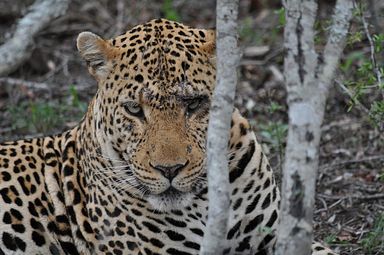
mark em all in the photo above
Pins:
pixel 49 94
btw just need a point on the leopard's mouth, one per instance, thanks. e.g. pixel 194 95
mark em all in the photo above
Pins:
pixel 173 196
pixel 171 192
pixel 170 199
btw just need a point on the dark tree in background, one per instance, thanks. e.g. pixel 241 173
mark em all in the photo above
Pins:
pixel 17 49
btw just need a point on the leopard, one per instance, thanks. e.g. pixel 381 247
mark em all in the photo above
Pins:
pixel 131 177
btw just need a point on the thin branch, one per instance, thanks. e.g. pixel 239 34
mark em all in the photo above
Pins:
pixel 17 49
pixel 371 47
pixel 362 197
pixel 352 161
pixel 349 93
pixel 36 86
pixel 29 84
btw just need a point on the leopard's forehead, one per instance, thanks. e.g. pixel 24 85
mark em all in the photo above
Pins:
pixel 163 59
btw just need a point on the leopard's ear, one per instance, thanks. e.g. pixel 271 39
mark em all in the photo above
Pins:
pixel 207 37
pixel 97 52
pixel 209 45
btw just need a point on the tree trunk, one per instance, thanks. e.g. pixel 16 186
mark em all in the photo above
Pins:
pixel 17 49
pixel 308 78
pixel 219 126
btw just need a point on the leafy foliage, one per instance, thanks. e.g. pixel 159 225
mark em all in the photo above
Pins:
pixel 365 70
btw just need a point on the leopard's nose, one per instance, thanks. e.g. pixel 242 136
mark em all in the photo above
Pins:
pixel 169 171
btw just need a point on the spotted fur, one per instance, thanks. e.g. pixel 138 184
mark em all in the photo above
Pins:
pixel 130 178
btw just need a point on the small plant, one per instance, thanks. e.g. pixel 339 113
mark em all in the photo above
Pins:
pixel 277 30
pixel 169 11
pixel 377 111
pixel 378 42
pixel 39 116
pixel 350 59
pixel 82 106
pixel 373 241
pixel 247 33
pixel 18 116
pixel 275 132
pixel 281 14
pixel 381 176
pixel 43 116
pixel 330 239
pixel 355 38
pixel 274 107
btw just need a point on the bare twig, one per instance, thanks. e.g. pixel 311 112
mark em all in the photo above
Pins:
pixel 335 203
pixel 16 50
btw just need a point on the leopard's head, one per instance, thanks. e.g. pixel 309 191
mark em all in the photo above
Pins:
pixel 150 113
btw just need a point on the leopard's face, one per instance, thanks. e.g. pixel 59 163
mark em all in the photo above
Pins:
pixel 151 109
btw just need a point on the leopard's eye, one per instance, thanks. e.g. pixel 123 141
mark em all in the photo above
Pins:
pixel 134 109
pixel 194 105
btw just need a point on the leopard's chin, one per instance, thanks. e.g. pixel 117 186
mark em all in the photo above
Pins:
pixel 171 199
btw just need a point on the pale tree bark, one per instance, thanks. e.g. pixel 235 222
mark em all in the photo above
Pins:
pixel 308 77
pixel 18 48
pixel 219 125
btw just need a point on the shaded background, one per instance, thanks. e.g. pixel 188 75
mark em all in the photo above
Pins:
pixel 50 92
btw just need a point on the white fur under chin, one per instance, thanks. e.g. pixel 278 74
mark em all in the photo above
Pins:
pixel 164 203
